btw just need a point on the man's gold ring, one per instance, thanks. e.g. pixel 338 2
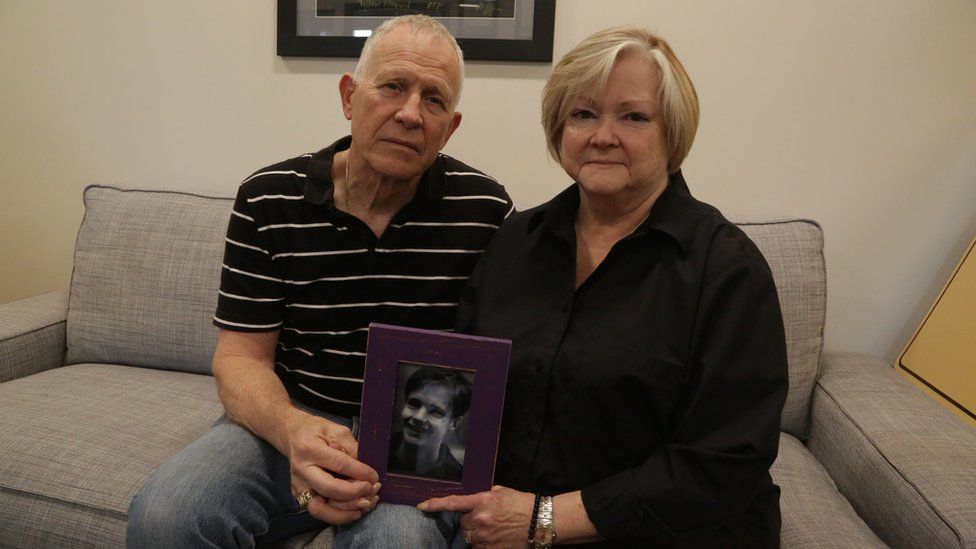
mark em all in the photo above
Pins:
pixel 305 497
pixel 467 537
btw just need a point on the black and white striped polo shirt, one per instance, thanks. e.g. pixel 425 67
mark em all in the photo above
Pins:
pixel 295 263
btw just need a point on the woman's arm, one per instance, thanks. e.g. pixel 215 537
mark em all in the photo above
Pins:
pixel 726 427
pixel 501 517
pixel 572 523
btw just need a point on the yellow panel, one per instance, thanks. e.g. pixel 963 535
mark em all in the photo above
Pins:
pixel 941 357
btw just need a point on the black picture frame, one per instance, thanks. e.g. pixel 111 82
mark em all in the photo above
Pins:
pixel 484 361
pixel 536 49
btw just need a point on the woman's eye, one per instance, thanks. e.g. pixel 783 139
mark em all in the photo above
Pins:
pixel 636 117
pixel 582 114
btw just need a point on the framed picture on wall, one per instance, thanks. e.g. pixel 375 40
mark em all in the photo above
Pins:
pixel 431 411
pixel 494 30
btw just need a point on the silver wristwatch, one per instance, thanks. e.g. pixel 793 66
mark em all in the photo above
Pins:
pixel 543 531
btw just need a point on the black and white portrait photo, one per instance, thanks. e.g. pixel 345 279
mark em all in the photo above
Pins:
pixel 429 419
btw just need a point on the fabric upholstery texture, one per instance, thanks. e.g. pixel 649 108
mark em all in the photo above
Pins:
pixel 144 288
pixel 77 442
pixel 794 250
pixel 32 335
pixel 814 513
pixel 54 524
pixel 884 441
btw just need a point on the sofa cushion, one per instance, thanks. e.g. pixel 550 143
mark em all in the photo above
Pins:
pixel 794 250
pixel 77 442
pixel 814 513
pixel 144 287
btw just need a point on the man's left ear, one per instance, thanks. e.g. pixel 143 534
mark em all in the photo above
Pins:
pixel 455 122
pixel 346 87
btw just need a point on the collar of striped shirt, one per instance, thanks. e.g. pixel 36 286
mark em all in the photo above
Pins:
pixel 319 186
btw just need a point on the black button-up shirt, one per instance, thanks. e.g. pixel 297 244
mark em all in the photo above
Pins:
pixel 656 387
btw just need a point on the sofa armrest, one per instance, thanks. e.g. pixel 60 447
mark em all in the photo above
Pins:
pixel 906 464
pixel 32 335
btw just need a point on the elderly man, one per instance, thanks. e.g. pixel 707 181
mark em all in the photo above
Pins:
pixel 377 227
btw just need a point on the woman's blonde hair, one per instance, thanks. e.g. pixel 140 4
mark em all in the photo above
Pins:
pixel 587 69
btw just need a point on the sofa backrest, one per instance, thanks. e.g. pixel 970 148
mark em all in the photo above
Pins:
pixel 794 250
pixel 147 266
pixel 144 287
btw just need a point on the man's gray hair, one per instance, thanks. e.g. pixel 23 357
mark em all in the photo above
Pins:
pixel 420 24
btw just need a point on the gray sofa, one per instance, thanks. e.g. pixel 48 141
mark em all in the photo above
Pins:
pixel 99 388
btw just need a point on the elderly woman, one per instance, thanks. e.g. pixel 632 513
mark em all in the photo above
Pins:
pixel 648 365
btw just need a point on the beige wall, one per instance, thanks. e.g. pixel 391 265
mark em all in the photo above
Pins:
pixel 861 115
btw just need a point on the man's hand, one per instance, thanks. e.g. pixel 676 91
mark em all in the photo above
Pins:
pixel 499 518
pixel 323 459
pixel 322 453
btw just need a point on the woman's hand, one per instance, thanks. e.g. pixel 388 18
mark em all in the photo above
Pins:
pixel 499 518
pixel 322 456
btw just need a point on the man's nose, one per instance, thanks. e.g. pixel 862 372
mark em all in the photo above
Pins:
pixel 409 112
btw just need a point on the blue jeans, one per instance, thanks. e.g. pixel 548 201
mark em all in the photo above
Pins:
pixel 231 489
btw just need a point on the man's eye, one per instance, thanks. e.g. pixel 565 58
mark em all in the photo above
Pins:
pixel 413 403
pixel 436 100
pixel 437 413
pixel 392 86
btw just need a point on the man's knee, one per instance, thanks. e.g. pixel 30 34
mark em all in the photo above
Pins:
pixel 397 526
pixel 200 498
pixel 157 515
pixel 175 505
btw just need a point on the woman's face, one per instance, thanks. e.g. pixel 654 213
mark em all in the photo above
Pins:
pixel 427 415
pixel 614 142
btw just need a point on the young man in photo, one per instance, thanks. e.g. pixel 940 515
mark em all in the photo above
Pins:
pixel 436 400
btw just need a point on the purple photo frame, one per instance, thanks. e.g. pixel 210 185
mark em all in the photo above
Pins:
pixel 486 358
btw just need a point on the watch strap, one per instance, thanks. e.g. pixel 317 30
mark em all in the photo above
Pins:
pixel 543 528
pixel 533 519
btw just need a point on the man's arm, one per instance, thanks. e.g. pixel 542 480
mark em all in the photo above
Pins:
pixel 252 394
pixel 255 398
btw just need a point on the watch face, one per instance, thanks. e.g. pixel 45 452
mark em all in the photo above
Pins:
pixel 543 535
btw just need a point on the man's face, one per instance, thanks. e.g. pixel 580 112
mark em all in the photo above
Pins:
pixel 428 415
pixel 402 113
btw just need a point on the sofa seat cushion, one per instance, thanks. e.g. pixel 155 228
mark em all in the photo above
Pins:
pixel 815 514
pixel 77 442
